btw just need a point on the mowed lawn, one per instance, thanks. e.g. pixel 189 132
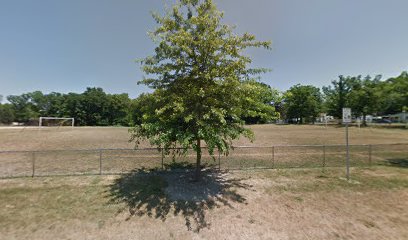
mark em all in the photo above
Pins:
pixel 267 204
pixel 265 135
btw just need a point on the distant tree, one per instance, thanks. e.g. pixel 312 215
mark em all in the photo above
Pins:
pixel 6 113
pixel 94 103
pixel 200 79
pixel 394 94
pixel 72 106
pixel 92 108
pixel 364 97
pixel 22 107
pixel 303 103
pixel 118 109
pixel 336 96
pixel 37 103
pixel 280 106
pixel 52 105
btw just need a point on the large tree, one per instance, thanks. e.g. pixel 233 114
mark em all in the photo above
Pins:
pixel 118 109
pixel 364 97
pixel 94 102
pixel 200 76
pixel 303 103
pixel 336 96
pixel 394 94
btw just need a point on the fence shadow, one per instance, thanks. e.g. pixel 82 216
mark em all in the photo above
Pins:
pixel 158 193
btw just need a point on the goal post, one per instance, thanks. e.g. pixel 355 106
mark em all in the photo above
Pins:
pixel 41 120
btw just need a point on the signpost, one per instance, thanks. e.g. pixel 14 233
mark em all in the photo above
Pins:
pixel 358 122
pixel 347 120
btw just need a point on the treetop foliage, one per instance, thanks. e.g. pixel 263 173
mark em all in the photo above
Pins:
pixel 303 103
pixel 203 83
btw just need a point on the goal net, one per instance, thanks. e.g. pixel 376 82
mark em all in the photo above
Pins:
pixel 56 122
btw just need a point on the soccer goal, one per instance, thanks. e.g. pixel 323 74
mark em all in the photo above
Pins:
pixel 55 122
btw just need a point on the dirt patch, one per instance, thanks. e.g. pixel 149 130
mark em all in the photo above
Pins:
pixel 290 204
pixel 160 194
pixel 183 187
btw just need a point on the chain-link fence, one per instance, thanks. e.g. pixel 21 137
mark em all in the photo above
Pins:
pixel 116 161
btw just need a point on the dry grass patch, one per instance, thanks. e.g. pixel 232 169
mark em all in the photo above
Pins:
pixel 117 137
pixel 66 161
pixel 267 204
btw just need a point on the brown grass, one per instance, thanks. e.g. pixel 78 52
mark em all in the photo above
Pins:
pixel 268 204
pixel 265 135
pixel 115 161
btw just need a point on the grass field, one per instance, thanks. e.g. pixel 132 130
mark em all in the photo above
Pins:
pixel 267 204
pixel 305 203
pixel 265 135
pixel 94 161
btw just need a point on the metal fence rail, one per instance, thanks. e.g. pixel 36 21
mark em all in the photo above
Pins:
pixel 116 161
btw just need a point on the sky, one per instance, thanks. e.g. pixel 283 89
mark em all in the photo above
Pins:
pixel 68 45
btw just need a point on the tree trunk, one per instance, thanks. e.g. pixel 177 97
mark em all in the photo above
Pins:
pixel 364 120
pixel 198 163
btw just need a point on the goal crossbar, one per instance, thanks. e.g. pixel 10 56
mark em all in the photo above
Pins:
pixel 55 118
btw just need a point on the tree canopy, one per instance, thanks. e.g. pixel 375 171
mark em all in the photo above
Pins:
pixel 336 96
pixel 6 113
pixel 303 103
pixel 394 94
pixel 202 80
pixel 364 97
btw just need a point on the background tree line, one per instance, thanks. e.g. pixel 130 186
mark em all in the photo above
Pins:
pixel 364 95
pixel 300 104
pixel 93 107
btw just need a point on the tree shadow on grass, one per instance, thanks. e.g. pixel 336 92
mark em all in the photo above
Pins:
pixel 397 162
pixel 158 193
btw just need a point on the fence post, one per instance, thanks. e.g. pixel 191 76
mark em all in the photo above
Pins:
pixel 273 156
pixel 324 157
pixel 162 158
pixel 347 154
pixel 369 154
pixel 33 162
pixel 100 161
